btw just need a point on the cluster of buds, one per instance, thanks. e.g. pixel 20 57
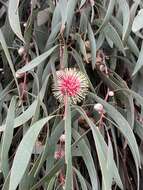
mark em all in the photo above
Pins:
pixel 59 154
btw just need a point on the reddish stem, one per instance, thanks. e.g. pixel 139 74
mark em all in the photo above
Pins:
pixel 24 86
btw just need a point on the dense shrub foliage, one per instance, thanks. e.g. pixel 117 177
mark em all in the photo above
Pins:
pixel 71 106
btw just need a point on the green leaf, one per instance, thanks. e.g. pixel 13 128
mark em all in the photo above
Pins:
pixel 130 42
pixel 56 17
pixel 29 27
pixel 87 157
pixel 81 179
pixel 138 21
pixel 24 117
pixel 135 95
pixel 82 3
pixel 108 15
pixel 83 22
pixel 70 13
pixel 138 128
pixel 52 37
pixel 63 11
pixel 43 16
pixel 117 82
pixel 35 62
pixel 102 154
pixel 68 155
pixel 139 63
pixel 92 44
pixel 81 65
pixel 124 127
pixel 14 18
pixel 110 31
pixel 100 40
pixel 51 184
pixel 82 48
pixel 6 51
pixel 7 137
pixel 50 174
pixel 6 183
pixel 50 147
pixel 24 152
pixel 126 16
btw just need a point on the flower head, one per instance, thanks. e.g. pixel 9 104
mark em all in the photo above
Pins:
pixel 59 154
pixel 72 83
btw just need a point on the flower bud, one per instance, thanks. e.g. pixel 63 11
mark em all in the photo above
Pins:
pixel 25 24
pixel 59 154
pixel 21 51
pixel 102 68
pixel 98 107
pixel 19 75
pixel 92 2
pixel 111 93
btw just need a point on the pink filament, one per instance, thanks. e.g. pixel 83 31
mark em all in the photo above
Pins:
pixel 70 86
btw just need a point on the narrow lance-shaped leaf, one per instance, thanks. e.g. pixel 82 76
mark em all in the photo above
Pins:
pixel 56 17
pixel 82 3
pixel 70 13
pixel 87 157
pixel 138 21
pixel 24 117
pixel 24 152
pixel 50 147
pixel 52 38
pixel 139 63
pixel 81 179
pixel 110 31
pixel 14 18
pixel 35 62
pixel 82 46
pixel 124 127
pixel 30 111
pixel 108 15
pixel 102 154
pixel 6 51
pixel 126 16
pixel 68 156
pixel 79 61
pixel 63 10
pixel 7 137
pixel 92 44
pixel 130 42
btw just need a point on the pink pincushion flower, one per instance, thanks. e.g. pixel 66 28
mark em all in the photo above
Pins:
pixel 71 83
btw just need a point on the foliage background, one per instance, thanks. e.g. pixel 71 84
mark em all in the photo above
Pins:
pixel 103 39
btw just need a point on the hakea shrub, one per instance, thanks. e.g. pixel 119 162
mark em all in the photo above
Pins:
pixel 71 95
